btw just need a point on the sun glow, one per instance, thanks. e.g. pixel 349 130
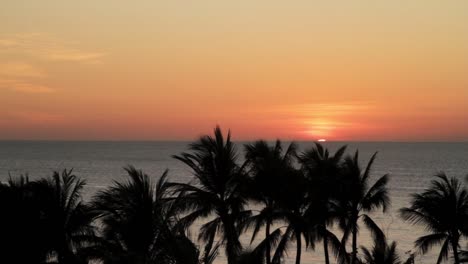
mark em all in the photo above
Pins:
pixel 320 128
pixel 322 140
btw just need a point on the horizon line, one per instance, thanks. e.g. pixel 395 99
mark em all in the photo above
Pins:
pixel 237 140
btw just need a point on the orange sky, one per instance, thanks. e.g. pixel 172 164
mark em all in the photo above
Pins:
pixel 155 70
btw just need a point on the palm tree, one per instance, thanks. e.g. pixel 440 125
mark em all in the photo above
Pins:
pixel 267 166
pixel 323 171
pixel 140 223
pixel 22 222
pixel 216 191
pixel 443 210
pixel 294 209
pixel 381 253
pixel 68 220
pixel 358 199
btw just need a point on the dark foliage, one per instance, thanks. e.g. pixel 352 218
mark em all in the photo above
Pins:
pixel 47 219
pixel 140 223
pixel 381 253
pixel 443 210
pixel 22 223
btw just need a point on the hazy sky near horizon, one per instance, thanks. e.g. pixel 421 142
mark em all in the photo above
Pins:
pixel 340 70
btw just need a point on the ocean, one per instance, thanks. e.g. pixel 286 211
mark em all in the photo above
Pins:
pixel 411 166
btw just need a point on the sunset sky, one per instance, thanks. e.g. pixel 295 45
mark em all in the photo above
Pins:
pixel 171 70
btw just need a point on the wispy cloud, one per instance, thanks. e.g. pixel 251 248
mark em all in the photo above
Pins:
pixel 47 47
pixel 330 109
pixel 24 86
pixel 75 56
pixel 20 69
pixel 6 43
pixel 24 75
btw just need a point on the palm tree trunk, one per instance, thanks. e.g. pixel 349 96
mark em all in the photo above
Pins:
pixel 354 253
pixel 299 248
pixel 267 249
pixel 455 250
pixel 233 246
pixel 325 247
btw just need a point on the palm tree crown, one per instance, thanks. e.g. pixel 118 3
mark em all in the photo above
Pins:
pixel 69 220
pixel 443 210
pixel 139 223
pixel 216 191
pixel 381 253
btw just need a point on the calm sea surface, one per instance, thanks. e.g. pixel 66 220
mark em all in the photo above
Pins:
pixel 410 165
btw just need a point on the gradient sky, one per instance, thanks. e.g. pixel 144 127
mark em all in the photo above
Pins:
pixel 156 70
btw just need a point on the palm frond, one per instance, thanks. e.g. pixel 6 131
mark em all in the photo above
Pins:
pixel 269 242
pixel 207 230
pixel 377 195
pixel 281 249
pixel 367 171
pixel 416 217
pixel 338 249
pixel 425 243
pixel 443 255
pixel 375 230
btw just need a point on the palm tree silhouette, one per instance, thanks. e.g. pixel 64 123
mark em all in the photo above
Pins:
pixel 358 199
pixel 381 253
pixel 216 191
pixel 139 223
pixel 323 171
pixel 68 220
pixel 22 222
pixel 443 210
pixel 294 209
pixel 268 168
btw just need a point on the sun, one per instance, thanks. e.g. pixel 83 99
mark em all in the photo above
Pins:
pixel 322 140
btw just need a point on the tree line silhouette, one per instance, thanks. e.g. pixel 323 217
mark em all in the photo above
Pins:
pixel 277 195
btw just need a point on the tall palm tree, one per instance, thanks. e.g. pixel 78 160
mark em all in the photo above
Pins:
pixel 140 223
pixel 68 220
pixel 323 171
pixel 268 168
pixel 381 253
pixel 358 199
pixel 216 191
pixel 443 210
pixel 294 209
